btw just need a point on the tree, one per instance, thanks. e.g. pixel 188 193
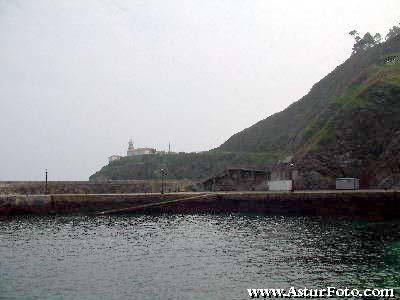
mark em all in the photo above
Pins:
pixel 393 32
pixel 377 38
pixel 355 34
pixel 369 40
pixel 366 42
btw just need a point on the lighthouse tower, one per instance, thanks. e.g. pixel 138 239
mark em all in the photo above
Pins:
pixel 131 148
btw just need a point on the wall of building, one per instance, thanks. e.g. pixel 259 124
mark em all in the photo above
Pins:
pixel 280 185
pixel 236 180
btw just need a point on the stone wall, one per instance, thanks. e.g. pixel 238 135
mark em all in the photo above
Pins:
pixel 77 203
pixel 368 205
pixel 360 205
pixel 92 187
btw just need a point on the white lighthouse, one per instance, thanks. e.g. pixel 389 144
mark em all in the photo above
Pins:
pixel 132 151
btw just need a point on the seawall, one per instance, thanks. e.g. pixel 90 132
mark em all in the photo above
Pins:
pixel 371 205
pixel 92 187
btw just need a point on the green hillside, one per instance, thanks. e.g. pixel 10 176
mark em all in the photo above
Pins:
pixel 180 165
pixel 283 133
pixel 353 135
pixel 347 125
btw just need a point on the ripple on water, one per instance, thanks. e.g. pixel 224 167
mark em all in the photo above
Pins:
pixel 191 256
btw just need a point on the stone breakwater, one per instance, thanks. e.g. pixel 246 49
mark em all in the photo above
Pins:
pixel 372 205
pixel 76 203
pixel 92 187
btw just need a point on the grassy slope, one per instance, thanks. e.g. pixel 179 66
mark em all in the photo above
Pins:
pixel 181 165
pixel 357 99
pixel 348 116
pixel 353 139
pixel 286 132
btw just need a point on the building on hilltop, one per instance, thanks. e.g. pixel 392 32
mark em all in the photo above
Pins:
pixel 114 158
pixel 132 151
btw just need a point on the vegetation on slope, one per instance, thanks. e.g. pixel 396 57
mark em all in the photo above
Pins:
pixel 375 91
pixel 286 132
pixel 180 165
pixel 356 133
pixel 347 125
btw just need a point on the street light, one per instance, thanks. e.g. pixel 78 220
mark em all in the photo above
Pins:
pixel 162 181
pixel 291 175
pixel 45 187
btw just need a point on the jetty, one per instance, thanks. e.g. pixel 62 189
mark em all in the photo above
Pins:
pixel 358 204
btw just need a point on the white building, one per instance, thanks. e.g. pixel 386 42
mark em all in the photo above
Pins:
pixel 132 151
pixel 114 158
pixel 280 185
pixel 347 183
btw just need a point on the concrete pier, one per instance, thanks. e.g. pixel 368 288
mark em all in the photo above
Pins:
pixel 368 204
pixel 93 187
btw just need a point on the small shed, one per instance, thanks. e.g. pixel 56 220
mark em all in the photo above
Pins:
pixel 347 183
pixel 236 179
pixel 280 185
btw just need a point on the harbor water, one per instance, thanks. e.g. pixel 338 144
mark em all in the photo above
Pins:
pixel 190 256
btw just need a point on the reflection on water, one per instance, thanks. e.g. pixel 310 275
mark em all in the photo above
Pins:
pixel 191 256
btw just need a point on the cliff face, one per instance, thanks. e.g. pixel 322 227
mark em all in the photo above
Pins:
pixel 360 136
pixel 348 125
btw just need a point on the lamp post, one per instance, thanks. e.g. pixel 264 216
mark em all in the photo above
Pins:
pixel 291 175
pixel 45 186
pixel 162 181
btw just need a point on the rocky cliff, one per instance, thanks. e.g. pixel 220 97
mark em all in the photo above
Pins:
pixel 347 125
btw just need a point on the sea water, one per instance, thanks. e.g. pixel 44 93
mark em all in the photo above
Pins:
pixel 190 256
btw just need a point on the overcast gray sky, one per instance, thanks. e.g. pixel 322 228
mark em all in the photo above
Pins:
pixel 78 78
